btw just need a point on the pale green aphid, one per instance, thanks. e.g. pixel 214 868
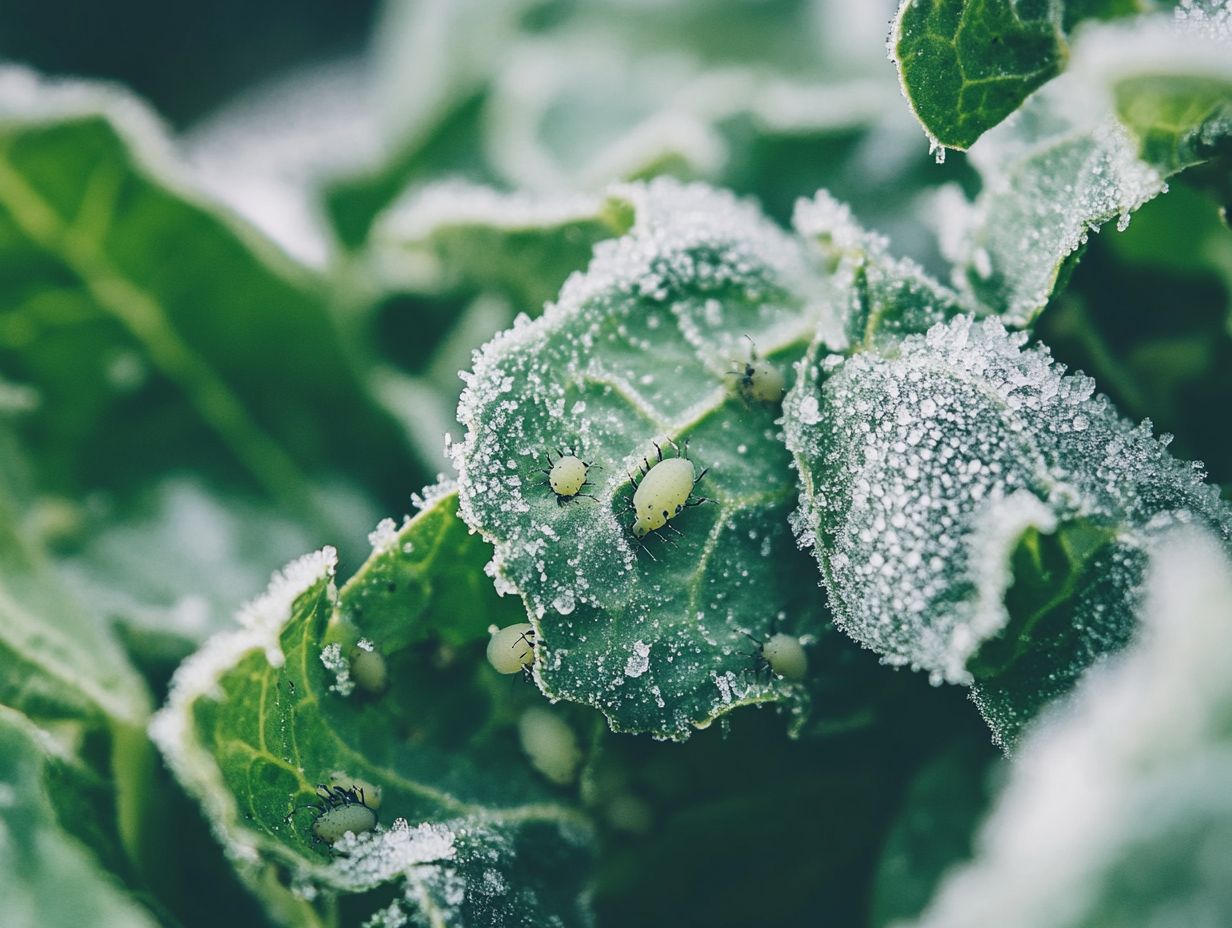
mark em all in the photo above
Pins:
pixel 567 477
pixel 341 810
pixel 786 656
pixel 758 379
pixel 512 648
pixel 550 744
pixel 368 668
pixel 664 492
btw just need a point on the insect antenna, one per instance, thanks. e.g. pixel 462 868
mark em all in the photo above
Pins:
pixel 641 544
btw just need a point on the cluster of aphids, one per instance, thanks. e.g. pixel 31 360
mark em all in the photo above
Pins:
pixel 662 489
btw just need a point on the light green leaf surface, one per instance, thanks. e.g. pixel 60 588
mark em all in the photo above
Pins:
pixel 978 515
pixel 180 558
pixel 257 718
pixel 58 662
pixel 126 300
pixel 1116 811
pixel 47 876
pixel 1142 99
pixel 637 351
pixel 62 668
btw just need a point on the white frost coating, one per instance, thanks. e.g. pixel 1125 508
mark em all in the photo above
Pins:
pixel 1063 165
pixel 267 614
pixel 422 211
pixel 368 860
pixel 171 728
pixel 427 498
pixel 995 530
pixel 1134 768
pixel 928 463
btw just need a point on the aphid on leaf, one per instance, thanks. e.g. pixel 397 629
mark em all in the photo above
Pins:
pixel 665 490
pixel 758 379
pixel 512 648
pixel 782 655
pixel 339 810
pixel 567 476
pixel 550 744
pixel 368 668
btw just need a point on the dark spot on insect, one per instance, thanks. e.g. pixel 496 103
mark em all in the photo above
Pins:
pixel 391 586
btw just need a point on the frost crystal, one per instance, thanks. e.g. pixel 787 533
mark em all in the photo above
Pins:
pixel 384 536
pixel 340 667
pixel 443 487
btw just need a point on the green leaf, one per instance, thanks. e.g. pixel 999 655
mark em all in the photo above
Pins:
pixel 728 834
pixel 1115 810
pixel 128 301
pixel 933 831
pixel 455 237
pixel 262 714
pixel 637 351
pixel 58 663
pixel 932 471
pixel 48 878
pixel 1141 100
pixel 967 64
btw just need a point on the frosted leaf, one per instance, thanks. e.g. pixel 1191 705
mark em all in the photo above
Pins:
pixel 255 721
pixel 941 462
pixel 1141 99
pixel 635 351
pixel 1117 808
pixel 455 237
pixel 884 295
